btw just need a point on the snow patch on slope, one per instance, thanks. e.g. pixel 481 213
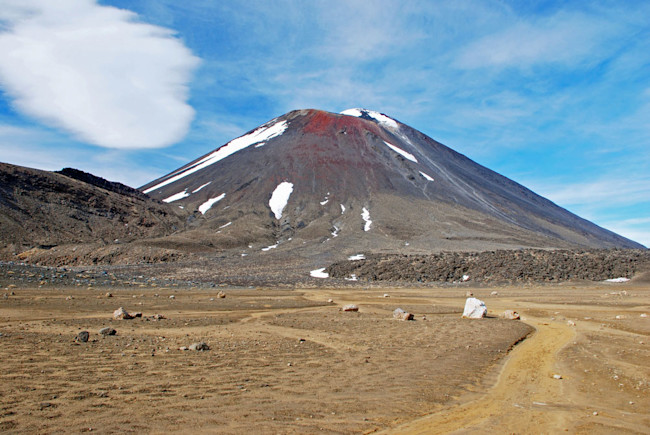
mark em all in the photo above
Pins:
pixel 379 117
pixel 426 176
pixel 401 152
pixel 280 197
pixel 319 273
pixel 201 187
pixel 365 214
pixel 261 134
pixel 203 208
pixel 177 196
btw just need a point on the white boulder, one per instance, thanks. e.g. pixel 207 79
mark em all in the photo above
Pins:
pixel 474 309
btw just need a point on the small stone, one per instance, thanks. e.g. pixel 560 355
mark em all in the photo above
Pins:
pixel 172 297
pixel 571 323
pixel 68 298
pixel 83 336
pixel 494 293
pixel 121 314
pixel 201 346
pixel 109 295
pixel 107 331
pixel 595 413
pixel 221 294
pixel 511 315
pixel 386 295
pixel 349 307
pixel 643 315
pixel 136 315
pixel 469 294
pixel 158 317
pixel 557 376
pixel 400 314
pixel 329 301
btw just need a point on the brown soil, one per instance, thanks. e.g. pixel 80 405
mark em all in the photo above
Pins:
pixel 286 361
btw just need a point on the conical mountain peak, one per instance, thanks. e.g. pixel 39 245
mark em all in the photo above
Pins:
pixel 321 177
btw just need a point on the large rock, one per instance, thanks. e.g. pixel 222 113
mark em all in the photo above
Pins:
pixel 474 309
pixel 121 314
pixel 400 314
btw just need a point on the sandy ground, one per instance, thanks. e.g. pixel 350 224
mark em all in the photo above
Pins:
pixel 287 361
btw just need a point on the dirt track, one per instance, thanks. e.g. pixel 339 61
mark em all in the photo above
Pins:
pixel 286 361
pixel 604 378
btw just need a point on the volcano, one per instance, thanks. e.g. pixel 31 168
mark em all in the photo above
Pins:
pixel 360 180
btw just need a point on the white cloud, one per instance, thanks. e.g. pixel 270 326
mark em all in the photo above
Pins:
pixel 95 72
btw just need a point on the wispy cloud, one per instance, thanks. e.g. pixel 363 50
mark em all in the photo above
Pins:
pixel 608 191
pixel 566 38
pixel 96 72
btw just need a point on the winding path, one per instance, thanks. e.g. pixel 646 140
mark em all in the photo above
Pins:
pixel 520 401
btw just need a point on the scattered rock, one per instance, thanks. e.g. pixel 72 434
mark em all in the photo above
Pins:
pixel 183 348
pixel 68 298
pixel 330 301
pixel 121 314
pixel 474 309
pixel 386 295
pixel 158 317
pixel 349 307
pixel 571 323
pixel 511 315
pixel 107 331
pixel 138 314
pixel 201 346
pixel 83 336
pixel 557 376
pixel 400 314
pixel 469 294
pixel 109 294
pixel 643 315
pixel 221 294
pixel 494 293
pixel 172 297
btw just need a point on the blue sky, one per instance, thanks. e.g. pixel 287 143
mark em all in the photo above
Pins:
pixel 553 94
